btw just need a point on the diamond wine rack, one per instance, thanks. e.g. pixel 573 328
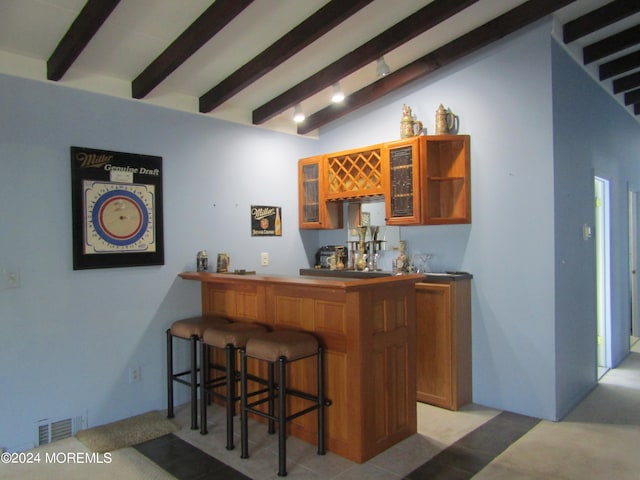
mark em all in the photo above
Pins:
pixel 355 173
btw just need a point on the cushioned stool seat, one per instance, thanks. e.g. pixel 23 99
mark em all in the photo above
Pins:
pixel 229 338
pixel 187 327
pixel 236 334
pixel 282 348
pixel 288 344
pixel 190 329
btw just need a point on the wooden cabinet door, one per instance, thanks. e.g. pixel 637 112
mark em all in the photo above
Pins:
pixel 314 212
pixel 403 190
pixel 443 326
pixel 433 326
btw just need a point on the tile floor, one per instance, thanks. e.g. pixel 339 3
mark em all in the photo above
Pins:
pixel 598 440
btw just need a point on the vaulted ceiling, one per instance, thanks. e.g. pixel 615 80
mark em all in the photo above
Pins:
pixel 253 61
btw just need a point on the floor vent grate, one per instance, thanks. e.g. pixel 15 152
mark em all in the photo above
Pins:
pixel 49 432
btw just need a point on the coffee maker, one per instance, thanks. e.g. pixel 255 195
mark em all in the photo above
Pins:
pixel 324 253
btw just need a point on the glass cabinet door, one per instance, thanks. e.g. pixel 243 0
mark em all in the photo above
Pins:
pixel 315 212
pixel 310 193
pixel 402 185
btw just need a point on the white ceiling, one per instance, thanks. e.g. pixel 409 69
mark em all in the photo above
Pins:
pixel 139 30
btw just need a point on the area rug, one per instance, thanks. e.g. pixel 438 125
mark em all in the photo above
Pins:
pixel 127 432
pixel 69 459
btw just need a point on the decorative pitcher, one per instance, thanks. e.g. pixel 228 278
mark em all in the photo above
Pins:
pixel 408 126
pixel 446 121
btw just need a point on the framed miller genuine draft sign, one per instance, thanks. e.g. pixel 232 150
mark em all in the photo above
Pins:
pixel 117 209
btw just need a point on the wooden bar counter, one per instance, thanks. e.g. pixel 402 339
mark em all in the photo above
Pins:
pixel 369 331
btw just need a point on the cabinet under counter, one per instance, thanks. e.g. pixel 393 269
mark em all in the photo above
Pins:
pixel 443 332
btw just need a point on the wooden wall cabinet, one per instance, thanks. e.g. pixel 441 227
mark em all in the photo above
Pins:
pixel 427 180
pixel 314 211
pixel 355 173
pixel 443 325
pixel 446 161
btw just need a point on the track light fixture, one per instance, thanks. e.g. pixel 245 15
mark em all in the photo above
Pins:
pixel 298 114
pixel 382 69
pixel 338 94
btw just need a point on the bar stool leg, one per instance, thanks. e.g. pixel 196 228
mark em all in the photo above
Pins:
pixel 169 374
pixel 204 393
pixel 270 384
pixel 244 430
pixel 282 415
pixel 231 388
pixel 321 404
pixel 194 382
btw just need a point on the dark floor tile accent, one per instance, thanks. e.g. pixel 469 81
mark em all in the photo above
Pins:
pixel 460 461
pixel 476 450
pixel 463 458
pixel 186 462
pixel 498 433
pixel 438 471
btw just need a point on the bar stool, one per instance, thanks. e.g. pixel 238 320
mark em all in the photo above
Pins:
pixel 282 348
pixel 188 329
pixel 230 338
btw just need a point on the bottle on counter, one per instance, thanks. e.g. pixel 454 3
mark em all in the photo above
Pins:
pixel 401 263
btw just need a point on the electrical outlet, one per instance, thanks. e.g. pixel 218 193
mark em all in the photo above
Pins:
pixel 11 279
pixel 264 259
pixel 134 374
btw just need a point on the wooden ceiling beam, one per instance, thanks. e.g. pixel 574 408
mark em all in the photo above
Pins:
pixel 632 97
pixel 471 42
pixel 307 32
pixel 610 45
pixel 412 26
pixel 203 29
pixel 82 30
pixel 619 66
pixel 625 83
pixel 599 18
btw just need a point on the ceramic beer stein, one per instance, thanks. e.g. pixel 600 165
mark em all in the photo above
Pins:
pixel 446 121
pixel 408 126
pixel 223 263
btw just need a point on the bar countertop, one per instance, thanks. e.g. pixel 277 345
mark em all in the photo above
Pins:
pixel 429 277
pixel 345 283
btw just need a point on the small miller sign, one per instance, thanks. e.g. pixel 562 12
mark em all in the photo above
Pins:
pixel 265 221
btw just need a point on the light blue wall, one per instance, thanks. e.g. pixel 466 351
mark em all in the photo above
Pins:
pixel 69 338
pixel 594 137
